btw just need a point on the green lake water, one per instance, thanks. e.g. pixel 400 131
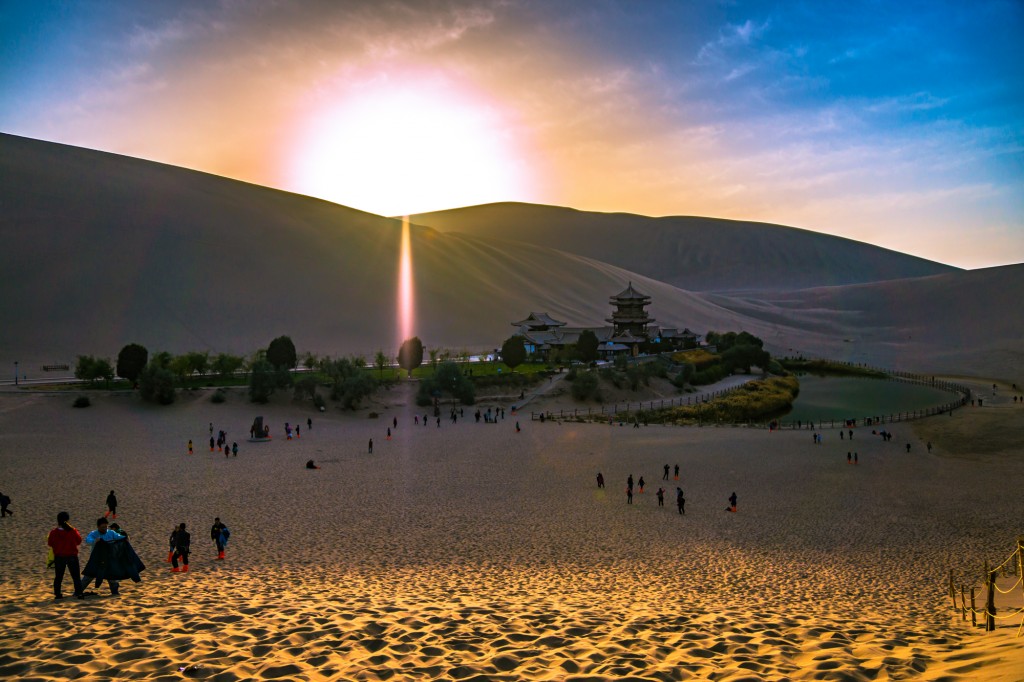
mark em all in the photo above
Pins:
pixel 836 398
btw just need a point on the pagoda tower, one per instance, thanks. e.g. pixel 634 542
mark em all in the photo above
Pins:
pixel 629 316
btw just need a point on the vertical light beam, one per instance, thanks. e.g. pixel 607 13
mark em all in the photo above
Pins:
pixel 405 288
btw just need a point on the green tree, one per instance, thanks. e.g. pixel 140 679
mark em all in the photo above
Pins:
pixel 156 383
pixel 586 346
pixel 743 357
pixel 410 355
pixel 281 353
pixel 181 368
pixel 380 361
pixel 513 352
pixel 350 382
pixel 225 364
pixel 309 361
pixel 131 361
pixel 433 358
pixel 262 381
pixel 198 362
pixel 448 379
pixel 92 369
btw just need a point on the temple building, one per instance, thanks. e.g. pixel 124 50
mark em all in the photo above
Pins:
pixel 631 328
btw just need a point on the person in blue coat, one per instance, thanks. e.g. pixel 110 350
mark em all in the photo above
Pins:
pixel 219 533
pixel 113 559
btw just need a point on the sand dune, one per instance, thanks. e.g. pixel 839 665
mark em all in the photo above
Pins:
pixel 471 552
pixel 932 324
pixel 101 250
pixel 694 253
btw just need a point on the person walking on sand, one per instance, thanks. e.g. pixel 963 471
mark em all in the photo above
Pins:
pixel 111 505
pixel 190 446
pixel 234 449
pixel 677 472
pixel 855 458
pixel 5 502
pixel 640 484
pixel 849 456
pixel 170 550
pixel 600 480
pixel 517 426
pixel 389 433
pixel 64 540
pixel 908 448
pixel 680 501
pixel 661 497
pixel 211 443
pixel 219 533
pixel 629 495
pixel 732 503
pixel 629 482
pixel 929 446
pixel 665 477
pixel 182 545
pixel 394 422
pixel 371 446
pixel 102 534
pixel 309 423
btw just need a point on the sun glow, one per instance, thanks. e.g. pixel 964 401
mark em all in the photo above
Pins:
pixel 400 149
pixel 405 293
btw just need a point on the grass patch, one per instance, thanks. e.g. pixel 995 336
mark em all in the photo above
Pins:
pixel 753 401
pixel 830 368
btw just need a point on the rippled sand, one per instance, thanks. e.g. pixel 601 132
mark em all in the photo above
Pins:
pixel 473 552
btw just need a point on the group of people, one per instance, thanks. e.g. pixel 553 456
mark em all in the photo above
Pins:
pixel 113 558
pixel 680 499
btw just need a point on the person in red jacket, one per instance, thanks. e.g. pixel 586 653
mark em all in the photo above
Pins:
pixel 65 539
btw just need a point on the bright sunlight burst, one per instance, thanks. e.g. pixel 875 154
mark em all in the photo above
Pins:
pixel 401 149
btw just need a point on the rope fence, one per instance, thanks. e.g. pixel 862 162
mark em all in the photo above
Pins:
pixel 986 584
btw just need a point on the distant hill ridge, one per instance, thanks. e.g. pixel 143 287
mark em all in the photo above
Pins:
pixel 100 250
pixel 694 253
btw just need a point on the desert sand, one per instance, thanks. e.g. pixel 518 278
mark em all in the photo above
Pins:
pixel 472 552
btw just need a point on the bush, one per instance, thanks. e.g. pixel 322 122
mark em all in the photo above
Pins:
pixel 91 369
pixel 318 401
pixel 262 381
pixel 698 357
pixel 447 379
pixel 755 400
pixel 82 401
pixel 710 375
pixel 586 386
pixel 219 396
pixel 571 374
pixel 156 383
pixel 350 382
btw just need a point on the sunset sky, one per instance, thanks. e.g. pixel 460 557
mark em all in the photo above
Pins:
pixel 896 123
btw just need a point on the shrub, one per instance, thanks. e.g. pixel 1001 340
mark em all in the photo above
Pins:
pixel 698 357
pixel 318 401
pixel 92 369
pixel 447 379
pixel 219 396
pixel 156 382
pixel 586 386
pixel 571 374
pixel 82 401
pixel 262 381
pixel 754 400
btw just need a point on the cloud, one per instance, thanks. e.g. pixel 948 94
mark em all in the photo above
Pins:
pixel 918 101
pixel 730 36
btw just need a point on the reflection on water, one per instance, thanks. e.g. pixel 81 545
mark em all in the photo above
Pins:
pixel 834 398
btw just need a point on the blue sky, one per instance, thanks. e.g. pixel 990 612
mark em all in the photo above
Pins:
pixel 894 123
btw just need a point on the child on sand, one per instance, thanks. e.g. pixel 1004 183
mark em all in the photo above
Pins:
pixel 732 503
pixel 234 449
pixel 371 446
pixel 5 502
pixel 640 484
pixel 190 446
pixel 680 501
pixel 665 477
pixel 219 533
pixel 600 480
pixel 111 505
pixel 661 497
pixel 311 465
pixel 677 472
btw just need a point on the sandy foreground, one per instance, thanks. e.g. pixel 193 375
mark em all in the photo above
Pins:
pixel 473 552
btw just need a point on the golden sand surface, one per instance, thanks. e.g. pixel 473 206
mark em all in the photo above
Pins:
pixel 472 552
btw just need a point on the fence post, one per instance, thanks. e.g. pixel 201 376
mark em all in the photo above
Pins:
pixel 963 603
pixel 990 605
pixel 974 615
pixel 952 589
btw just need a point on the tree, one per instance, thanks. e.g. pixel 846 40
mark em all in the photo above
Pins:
pixel 131 361
pixel 586 346
pixel 225 364
pixel 198 362
pixel 742 357
pixel 433 358
pixel 410 355
pixel 309 361
pixel 350 382
pixel 156 383
pixel 92 369
pixel 513 352
pixel 380 361
pixel 262 381
pixel 281 353
pixel 180 367
pixel 447 379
